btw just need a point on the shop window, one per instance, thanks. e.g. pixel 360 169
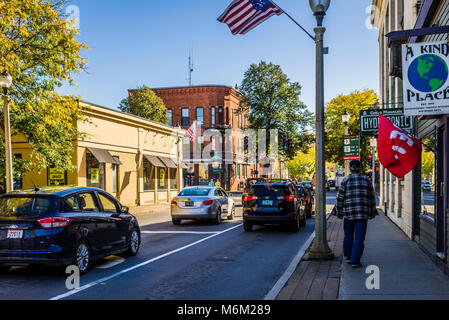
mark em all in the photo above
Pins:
pixel 56 176
pixel 203 174
pixel 162 180
pixel 173 180
pixel 148 176
pixel 185 117
pixel 114 178
pixel 95 172
pixel 428 177
pixel 169 114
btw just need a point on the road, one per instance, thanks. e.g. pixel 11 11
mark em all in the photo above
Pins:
pixel 195 260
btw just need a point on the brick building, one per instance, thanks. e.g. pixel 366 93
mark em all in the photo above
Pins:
pixel 215 107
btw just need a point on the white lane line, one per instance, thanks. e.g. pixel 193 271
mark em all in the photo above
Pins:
pixel 180 232
pixel 89 285
pixel 111 261
pixel 288 273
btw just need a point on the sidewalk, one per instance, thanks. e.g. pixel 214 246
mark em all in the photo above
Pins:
pixel 405 271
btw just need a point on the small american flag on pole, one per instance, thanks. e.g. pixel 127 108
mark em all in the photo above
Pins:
pixel 243 15
pixel 192 130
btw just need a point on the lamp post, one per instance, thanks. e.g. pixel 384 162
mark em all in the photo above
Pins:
pixel 345 118
pixel 320 249
pixel 5 83
pixel 373 143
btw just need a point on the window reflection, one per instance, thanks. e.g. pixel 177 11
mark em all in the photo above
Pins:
pixel 428 175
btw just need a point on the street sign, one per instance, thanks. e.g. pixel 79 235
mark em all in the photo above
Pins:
pixel 425 78
pixel 369 121
pixel 351 148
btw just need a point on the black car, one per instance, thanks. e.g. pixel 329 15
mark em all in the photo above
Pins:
pixel 307 196
pixel 64 226
pixel 273 203
pixel 331 183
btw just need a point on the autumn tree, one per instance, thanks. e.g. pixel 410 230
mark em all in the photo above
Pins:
pixel 40 50
pixel 272 101
pixel 353 103
pixel 144 103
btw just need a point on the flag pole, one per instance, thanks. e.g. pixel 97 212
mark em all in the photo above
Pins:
pixel 312 37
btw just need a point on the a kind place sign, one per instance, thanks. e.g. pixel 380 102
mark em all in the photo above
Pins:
pixel 425 78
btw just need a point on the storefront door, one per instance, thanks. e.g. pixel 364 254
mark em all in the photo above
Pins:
pixel 439 194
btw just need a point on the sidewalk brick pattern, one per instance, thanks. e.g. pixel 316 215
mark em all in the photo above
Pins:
pixel 318 280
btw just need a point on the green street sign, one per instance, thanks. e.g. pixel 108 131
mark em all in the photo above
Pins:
pixel 369 121
pixel 351 148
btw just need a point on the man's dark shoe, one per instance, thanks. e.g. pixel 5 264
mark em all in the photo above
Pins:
pixel 348 259
pixel 356 265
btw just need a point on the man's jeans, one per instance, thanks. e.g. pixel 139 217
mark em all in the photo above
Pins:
pixel 355 231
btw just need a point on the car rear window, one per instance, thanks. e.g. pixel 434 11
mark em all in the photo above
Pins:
pixel 26 206
pixel 195 192
pixel 270 190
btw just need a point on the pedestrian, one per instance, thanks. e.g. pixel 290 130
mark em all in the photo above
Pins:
pixel 211 183
pixel 356 204
pixel 217 184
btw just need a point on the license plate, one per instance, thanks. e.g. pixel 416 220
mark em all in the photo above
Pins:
pixel 189 203
pixel 14 234
pixel 267 202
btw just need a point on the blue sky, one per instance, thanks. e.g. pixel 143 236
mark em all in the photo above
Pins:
pixel 147 42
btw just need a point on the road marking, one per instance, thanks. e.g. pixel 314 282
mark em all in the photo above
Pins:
pixel 181 232
pixel 89 285
pixel 112 261
pixel 291 268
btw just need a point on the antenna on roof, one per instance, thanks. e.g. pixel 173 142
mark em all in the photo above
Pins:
pixel 190 66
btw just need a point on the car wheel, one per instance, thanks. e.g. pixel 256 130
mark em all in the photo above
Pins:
pixel 309 213
pixel 217 219
pixel 176 221
pixel 294 226
pixel 133 243
pixel 303 219
pixel 82 257
pixel 232 215
pixel 247 226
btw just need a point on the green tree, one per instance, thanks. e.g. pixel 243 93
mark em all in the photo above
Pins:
pixel 353 103
pixel 144 103
pixel 302 166
pixel 39 49
pixel 428 164
pixel 273 103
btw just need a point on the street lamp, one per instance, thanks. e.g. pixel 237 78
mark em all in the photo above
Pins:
pixel 320 249
pixel 5 83
pixel 345 118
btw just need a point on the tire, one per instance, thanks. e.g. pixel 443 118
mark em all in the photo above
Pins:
pixel 232 215
pixel 176 221
pixel 303 221
pixel 294 226
pixel 133 243
pixel 82 257
pixel 247 226
pixel 309 213
pixel 217 219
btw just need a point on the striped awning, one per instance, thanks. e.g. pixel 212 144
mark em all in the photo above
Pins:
pixel 155 161
pixel 169 163
pixel 103 156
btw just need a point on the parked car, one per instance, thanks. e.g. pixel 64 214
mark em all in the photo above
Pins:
pixel 331 183
pixel 64 226
pixel 202 203
pixel 426 186
pixel 274 203
pixel 327 185
pixel 307 196
pixel 249 183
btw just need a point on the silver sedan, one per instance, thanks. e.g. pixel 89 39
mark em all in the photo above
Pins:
pixel 202 203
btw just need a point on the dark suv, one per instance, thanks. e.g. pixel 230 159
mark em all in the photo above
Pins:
pixel 273 203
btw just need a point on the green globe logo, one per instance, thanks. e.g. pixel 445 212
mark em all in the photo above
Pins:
pixel 428 73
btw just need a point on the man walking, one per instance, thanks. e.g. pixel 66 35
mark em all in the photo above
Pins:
pixel 356 203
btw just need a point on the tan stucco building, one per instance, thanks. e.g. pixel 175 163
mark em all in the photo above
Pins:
pixel 137 160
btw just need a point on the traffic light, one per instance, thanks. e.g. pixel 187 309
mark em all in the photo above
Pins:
pixel 287 143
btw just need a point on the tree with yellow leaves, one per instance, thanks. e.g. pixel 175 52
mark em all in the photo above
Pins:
pixel 40 50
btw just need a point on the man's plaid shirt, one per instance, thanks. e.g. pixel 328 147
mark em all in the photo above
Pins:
pixel 356 198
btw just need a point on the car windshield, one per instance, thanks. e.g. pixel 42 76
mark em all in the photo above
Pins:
pixel 26 206
pixel 269 190
pixel 194 192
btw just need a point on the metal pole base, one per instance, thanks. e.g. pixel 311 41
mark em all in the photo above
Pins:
pixel 320 251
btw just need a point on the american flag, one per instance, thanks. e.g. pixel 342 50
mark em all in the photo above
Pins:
pixel 192 130
pixel 243 15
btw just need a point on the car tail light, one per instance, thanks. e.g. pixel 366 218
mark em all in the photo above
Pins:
pixel 306 199
pixel 208 202
pixel 249 198
pixel 268 185
pixel 288 198
pixel 54 222
pixel 174 203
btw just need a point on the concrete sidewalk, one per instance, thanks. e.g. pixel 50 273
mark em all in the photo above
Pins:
pixel 406 273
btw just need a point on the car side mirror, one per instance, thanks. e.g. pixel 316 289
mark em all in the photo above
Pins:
pixel 125 209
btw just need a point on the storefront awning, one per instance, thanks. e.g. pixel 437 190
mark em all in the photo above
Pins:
pixel 103 156
pixel 169 163
pixel 154 161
